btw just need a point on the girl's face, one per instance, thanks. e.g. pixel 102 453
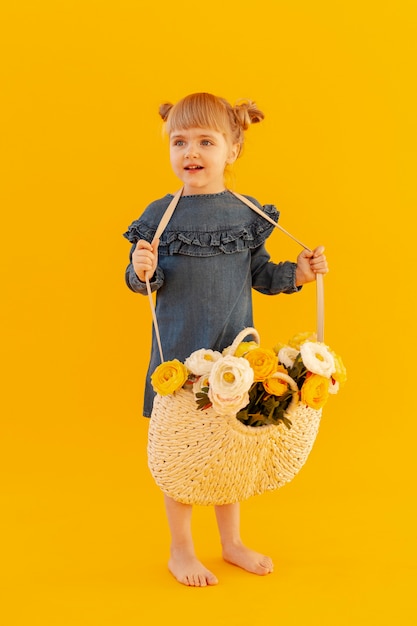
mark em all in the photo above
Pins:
pixel 199 157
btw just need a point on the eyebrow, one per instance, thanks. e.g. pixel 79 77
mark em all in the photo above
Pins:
pixel 202 136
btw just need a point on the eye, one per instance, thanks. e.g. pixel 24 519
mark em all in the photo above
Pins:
pixel 206 142
pixel 178 142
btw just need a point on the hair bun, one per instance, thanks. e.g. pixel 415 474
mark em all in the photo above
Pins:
pixel 164 110
pixel 247 113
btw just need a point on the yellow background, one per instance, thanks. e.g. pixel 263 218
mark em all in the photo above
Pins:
pixel 84 535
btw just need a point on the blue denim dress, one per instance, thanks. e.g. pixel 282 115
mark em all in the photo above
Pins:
pixel 211 256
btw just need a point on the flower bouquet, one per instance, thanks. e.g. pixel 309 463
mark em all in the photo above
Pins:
pixel 227 426
pixel 260 385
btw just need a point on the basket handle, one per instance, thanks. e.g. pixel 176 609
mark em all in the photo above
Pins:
pixel 161 227
pixel 240 337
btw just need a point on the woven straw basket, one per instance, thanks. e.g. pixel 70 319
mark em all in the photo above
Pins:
pixel 199 457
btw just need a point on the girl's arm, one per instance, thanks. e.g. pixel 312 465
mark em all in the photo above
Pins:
pixel 272 278
pixel 286 277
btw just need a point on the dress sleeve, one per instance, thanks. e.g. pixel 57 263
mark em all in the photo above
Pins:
pixel 272 278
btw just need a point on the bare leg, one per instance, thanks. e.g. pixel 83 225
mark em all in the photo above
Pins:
pixel 183 564
pixel 234 551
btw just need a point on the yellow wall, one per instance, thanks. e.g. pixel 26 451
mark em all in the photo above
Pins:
pixel 83 155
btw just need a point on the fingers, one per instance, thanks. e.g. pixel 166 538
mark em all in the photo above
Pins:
pixel 318 261
pixel 145 245
pixel 318 251
pixel 144 258
pixel 312 262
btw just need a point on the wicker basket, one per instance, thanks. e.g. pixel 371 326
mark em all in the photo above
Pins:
pixel 199 457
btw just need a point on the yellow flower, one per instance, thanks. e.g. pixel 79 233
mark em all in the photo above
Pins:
pixel 340 374
pixel 278 347
pixel 297 340
pixel 315 391
pixel 275 386
pixel 263 361
pixel 169 377
pixel 244 347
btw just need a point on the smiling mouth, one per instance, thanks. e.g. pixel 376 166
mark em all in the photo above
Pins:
pixel 193 167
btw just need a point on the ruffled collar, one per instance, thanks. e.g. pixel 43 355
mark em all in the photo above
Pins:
pixel 228 228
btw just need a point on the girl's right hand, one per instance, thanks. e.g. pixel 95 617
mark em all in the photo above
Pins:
pixel 145 259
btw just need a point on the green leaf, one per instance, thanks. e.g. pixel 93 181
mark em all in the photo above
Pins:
pixel 298 371
pixel 202 400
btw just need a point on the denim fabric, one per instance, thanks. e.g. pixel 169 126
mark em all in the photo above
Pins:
pixel 211 256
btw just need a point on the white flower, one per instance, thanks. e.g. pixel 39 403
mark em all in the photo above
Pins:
pixel 317 358
pixel 202 381
pixel 287 356
pixel 201 361
pixel 227 406
pixel 230 377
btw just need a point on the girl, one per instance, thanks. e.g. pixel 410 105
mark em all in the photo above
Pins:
pixel 209 258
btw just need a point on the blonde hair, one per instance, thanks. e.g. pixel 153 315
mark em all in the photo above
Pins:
pixel 204 110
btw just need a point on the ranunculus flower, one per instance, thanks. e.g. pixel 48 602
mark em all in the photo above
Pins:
pixel 201 361
pixel 228 405
pixel 263 361
pixel 317 358
pixel 244 347
pixel 300 338
pixel 287 355
pixel 230 377
pixel 277 347
pixel 169 377
pixel 315 391
pixel 202 381
pixel 274 385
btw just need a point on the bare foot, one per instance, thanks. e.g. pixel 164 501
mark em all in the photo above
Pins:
pixel 188 570
pixel 248 559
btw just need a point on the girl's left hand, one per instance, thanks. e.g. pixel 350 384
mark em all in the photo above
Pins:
pixel 310 263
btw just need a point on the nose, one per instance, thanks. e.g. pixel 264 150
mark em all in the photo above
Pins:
pixel 191 151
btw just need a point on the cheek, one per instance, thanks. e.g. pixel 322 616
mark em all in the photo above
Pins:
pixel 174 159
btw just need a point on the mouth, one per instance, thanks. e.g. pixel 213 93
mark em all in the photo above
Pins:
pixel 193 168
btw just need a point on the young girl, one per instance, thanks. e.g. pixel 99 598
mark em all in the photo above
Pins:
pixel 204 267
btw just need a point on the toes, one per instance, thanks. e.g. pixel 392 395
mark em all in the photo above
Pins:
pixel 212 580
pixel 267 564
pixel 194 580
pixel 200 580
pixel 190 572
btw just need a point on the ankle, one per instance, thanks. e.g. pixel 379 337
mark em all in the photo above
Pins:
pixel 231 543
pixel 182 548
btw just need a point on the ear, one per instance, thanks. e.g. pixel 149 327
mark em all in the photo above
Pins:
pixel 233 153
